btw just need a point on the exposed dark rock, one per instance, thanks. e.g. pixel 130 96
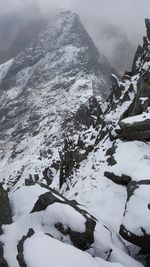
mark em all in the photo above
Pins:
pixel 115 93
pixel 20 256
pixel 79 240
pixel 71 156
pixel 3 262
pixel 48 175
pixel 138 55
pixel 144 124
pixel 144 257
pixel 5 210
pixel 49 172
pixel 143 135
pixel 138 130
pixel 147 23
pixel 139 235
pixel 89 114
pixel 5 218
pixel 110 152
pixel 44 201
pixel 122 180
pixel 69 160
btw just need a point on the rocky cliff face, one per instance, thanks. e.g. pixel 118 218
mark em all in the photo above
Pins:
pixel 62 145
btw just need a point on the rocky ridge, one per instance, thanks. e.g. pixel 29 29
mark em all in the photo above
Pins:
pixel 106 149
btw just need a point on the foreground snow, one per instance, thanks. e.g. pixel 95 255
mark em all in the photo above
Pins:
pixel 54 252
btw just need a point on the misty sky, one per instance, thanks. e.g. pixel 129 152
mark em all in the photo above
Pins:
pixel 125 16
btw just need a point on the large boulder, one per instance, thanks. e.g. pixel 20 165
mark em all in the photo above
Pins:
pixel 135 127
pixel 135 226
pixel 69 220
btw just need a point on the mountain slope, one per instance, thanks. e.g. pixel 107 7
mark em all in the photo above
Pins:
pixel 42 86
pixel 92 200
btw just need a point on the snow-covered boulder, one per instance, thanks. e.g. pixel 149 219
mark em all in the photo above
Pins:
pixel 131 162
pixel 135 225
pixel 67 219
pixel 135 127
pixel 55 253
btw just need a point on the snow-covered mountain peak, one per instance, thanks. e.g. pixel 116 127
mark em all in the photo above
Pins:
pixel 43 86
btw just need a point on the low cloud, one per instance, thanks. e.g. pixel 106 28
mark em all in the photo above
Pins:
pixel 109 22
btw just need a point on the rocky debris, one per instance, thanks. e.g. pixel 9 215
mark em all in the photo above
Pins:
pixel 89 114
pixel 122 180
pixel 82 240
pixel 89 121
pixel 71 156
pixel 76 150
pixel 69 160
pixel 20 256
pixel 135 225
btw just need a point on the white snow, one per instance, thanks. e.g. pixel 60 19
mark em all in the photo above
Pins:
pixel 137 214
pixel 65 214
pixel 133 159
pixel 23 199
pixel 138 118
pixel 41 250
